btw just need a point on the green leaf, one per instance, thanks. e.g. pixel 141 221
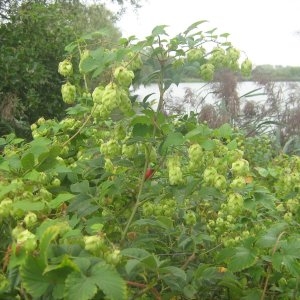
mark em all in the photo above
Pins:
pixel 27 161
pixel 32 277
pixel 109 281
pixel 61 198
pixel 262 172
pixel 79 287
pixel 173 139
pixel 194 26
pixel 80 187
pixel 225 131
pixel 160 29
pixel 135 253
pixel 200 130
pixel 131 265
pixel 27 205
pixel 66 262
pixel 242 259
pixel 48 235
pixel 142 130
pixel 173 271
pixel 232 145
pixel 269 238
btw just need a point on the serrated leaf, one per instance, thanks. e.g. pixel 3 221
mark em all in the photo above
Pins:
pixel 174 277
pixel 48 235
pixel 131 264
pixel 173 139
pixel 80 187
pixel 109 281
pixel 66 262
pixel 262 171
pixel 151 262
pixel 61 198
pixel 27 161
pixel 242 259
pixel 232 145
pixel 173 271
pixel 32 277
pixel 160 29
pixel 193 26
pixel 142 130
pixel 27 205
pixel 225 131
pixel 79 287
pixel 135 253
pixel 268 239
pixel 141 120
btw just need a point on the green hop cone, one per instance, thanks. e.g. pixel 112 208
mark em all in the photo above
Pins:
pixel 30 219
pixel 98 94
pixel 195 54
pixel 232 57
pixel 207 72
pixel 93 243
pixel 6 207
pixel 123 76
pixel 68 92
pixel 27 240
pixel 65 68
pixel 218 57
pixel 246 67
pixel 233 54
pixel 240 167
pixel 190 218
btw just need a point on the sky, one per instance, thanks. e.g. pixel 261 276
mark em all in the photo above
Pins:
pixel 266 30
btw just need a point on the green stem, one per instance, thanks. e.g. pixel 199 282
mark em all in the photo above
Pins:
pixel 137 203
pixel 270 267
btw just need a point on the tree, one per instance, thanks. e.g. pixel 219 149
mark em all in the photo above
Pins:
pixel 32 43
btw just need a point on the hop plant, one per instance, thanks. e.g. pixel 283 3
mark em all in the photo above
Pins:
pixel 134 61
pixel 195 153
pixel 27 240
pixel 175 173
pixel 218 57
pixel 68 92
pixel 240 167
pixel 246 67
pixel 98 94
pixel 5 207
pixel 195 54
pixel 123 76
pixel 30 219
pixel 207 71
pixel 65 68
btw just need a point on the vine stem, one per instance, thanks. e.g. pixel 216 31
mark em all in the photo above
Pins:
pixel 270 267
pixel 78 131
pixel 146 288
pixel 137 203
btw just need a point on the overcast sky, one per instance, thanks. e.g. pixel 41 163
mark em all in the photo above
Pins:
pixel 264 29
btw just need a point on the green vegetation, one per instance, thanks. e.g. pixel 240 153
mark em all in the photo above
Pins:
pixel 119 200
pixel 32 43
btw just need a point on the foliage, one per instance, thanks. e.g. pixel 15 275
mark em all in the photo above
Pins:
pixel 276 73
pixel 32 44
pixel 121 201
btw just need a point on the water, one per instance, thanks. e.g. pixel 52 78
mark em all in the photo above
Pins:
pixel 203 93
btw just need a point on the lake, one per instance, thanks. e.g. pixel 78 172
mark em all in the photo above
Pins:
pixel 204 91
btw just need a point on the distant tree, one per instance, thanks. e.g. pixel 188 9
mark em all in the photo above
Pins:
pixel 32 43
